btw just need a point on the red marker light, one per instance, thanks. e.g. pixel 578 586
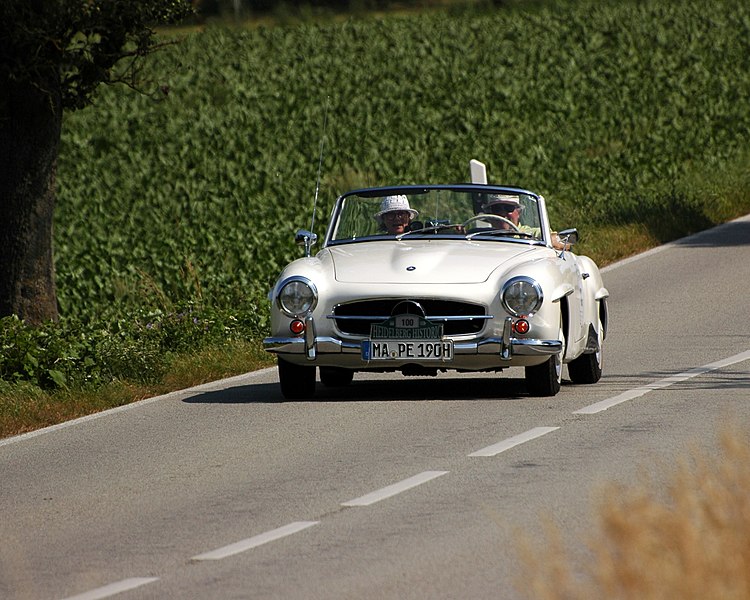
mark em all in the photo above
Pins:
pixel 297 326
pixel 522 326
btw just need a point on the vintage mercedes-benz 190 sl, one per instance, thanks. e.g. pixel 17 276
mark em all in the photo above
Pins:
pixel 423 279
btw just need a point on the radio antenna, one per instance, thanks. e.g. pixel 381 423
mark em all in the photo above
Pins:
pixel 320 164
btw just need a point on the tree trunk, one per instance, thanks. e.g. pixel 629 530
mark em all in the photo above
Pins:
pixel 30 124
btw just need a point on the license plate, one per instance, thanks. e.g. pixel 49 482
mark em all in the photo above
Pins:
pixel 441 350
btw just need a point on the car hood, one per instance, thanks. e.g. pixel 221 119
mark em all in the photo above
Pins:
pixel 424 261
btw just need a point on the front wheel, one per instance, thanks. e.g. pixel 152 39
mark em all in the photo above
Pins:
pixel 545 379
pixel 336 376
pixel 297 381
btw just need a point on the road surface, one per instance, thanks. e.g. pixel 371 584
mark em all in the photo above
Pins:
pixel 392 487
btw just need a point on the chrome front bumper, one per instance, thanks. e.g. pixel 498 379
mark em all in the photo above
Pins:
pixel 505 347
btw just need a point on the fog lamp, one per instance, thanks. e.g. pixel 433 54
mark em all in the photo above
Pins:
pixel 522 326
pixel 297 326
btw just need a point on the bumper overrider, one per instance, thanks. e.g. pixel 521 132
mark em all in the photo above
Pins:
pixel 506 347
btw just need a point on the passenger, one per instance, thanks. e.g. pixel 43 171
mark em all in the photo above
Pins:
pixel 395 214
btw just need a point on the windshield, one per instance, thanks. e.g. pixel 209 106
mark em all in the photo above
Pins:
pixel 450 212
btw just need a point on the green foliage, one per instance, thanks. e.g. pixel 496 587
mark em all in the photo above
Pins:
pixel 136 347
pixel 70 46
pixel 618 112
pixel 609 109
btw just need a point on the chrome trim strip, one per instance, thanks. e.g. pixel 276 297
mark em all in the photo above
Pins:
pixel 505 348
pixel 310 341
pixel 505 351
pixel 283 345
pixel 435 318
pixel 536 347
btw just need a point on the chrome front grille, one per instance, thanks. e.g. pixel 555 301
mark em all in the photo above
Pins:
pixel 457 318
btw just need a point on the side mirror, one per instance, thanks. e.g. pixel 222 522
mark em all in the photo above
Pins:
pixel 306 238
pixel 568 236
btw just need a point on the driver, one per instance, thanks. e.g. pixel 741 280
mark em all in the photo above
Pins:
pixel 395 214
pixel 510 208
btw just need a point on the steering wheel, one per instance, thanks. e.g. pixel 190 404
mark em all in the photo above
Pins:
pixel 491 218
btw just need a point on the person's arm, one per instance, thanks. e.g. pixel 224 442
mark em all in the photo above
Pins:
pixel 557 243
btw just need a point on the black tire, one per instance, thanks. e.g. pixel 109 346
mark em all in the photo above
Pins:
pixel 545 379
pixel 587 368
pixel 297 381
pixel 336 376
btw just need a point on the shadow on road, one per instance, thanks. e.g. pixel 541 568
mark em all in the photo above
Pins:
pixel 736 233
pixel 716 381
pixel 369 390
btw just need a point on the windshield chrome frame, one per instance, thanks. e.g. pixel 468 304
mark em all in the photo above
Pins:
pixel 422 189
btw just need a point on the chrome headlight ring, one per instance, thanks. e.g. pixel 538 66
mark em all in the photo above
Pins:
pixel 297 296
pixel 522 296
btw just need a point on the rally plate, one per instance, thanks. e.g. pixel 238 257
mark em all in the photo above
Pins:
pixel 407 337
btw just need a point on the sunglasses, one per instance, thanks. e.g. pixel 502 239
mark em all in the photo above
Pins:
pixel 506 208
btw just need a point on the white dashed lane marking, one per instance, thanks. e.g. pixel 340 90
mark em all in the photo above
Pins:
pixel 114 588
pixel 661 384
pixel 394 489
pixel 254 542
pixel 527 436
pixel 407 484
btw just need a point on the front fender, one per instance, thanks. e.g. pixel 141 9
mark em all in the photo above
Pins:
pixel 595 294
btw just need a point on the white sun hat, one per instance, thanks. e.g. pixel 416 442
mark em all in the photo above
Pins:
pixel 501 199
pixel 393 204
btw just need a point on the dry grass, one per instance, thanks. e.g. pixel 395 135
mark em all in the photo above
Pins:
pixel 217 363
pixel 26 408
pixel 689 541
pixel 608 244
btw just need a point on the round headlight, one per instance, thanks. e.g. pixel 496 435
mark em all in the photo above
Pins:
pixel 522 296
pixel 297 296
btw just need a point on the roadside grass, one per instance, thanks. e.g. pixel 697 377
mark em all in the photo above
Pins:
pixel 25 407
pixel 216 362
pixel 608 244
pixel 688 539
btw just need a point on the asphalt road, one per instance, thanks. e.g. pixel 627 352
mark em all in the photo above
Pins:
pixel 391 488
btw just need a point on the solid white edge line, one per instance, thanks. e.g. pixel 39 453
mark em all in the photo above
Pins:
pixel 527 436
pixel 661 384
pixel 255 541
pixel 204 387
pixel 396 488
pixel 114 588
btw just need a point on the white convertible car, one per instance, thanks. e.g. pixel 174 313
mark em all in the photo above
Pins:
pixel 423 279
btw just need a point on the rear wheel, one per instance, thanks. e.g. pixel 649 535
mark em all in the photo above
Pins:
pixel 587 368
pixel 297 381
pixel 336 376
